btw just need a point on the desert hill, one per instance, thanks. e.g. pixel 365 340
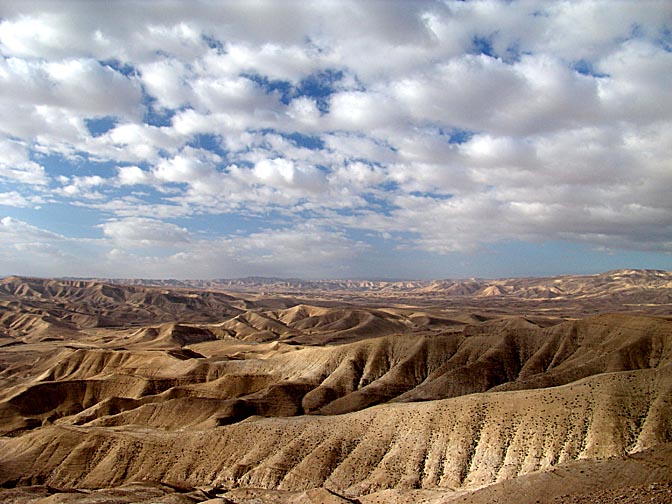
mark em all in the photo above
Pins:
pixel 165 368
pixel 136 393
pixel 82 304
pixel 642 291
pixel 602 284
pixel 458 443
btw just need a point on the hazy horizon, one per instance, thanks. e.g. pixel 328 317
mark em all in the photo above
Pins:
pixel 271 279
pixel 335 140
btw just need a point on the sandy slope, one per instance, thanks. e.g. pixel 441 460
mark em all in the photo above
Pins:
pixel 462 442
pixel 327 404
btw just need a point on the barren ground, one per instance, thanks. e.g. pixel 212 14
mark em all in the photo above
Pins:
pixel 524 390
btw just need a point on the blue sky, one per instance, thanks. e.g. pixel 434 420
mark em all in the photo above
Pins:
pixel 335 139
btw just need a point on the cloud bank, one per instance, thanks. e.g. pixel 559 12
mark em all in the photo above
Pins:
pixel 306 138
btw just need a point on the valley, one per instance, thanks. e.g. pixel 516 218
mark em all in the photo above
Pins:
pixel 439 392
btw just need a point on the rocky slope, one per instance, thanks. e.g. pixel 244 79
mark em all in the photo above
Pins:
pixel 324 404
pixel 30 303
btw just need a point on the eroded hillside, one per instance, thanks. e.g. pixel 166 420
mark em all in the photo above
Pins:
pixel 290 402
pixel 644 291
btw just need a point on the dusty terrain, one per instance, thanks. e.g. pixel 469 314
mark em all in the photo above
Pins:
pixel 521 390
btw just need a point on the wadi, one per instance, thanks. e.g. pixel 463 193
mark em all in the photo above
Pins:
pixel 257 390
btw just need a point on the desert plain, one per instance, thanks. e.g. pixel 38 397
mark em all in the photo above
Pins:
pixel 525 390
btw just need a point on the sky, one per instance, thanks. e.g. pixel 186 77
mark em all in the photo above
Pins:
pixel 335 139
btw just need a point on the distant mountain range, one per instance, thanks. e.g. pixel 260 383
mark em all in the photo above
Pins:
pixel 53 304
pixel 610 282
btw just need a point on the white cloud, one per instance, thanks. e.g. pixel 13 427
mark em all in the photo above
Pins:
pixel 136 205
pixel 166 80
pixel 447 125
pixel 537 93
pixel 182 39
pixel 362 111
pixel 17 231
pixel 283 174
pixel 133 143
pixel 133 175
pixel 230 95
pixel 18 200
pixel 16 166
pixel 359 146
pixel 278 62
pixel 136 247
pixel 46 103
pixel 639 82
pixel 82 187
pixel 86 85
pixel 83 86
pixel 576 30
pixel 305 244
pixel 190 166
pixel 304 111
pixel 358 175
pixel 38 36
pixel 303 251
pixel 142 232
pixel 30 250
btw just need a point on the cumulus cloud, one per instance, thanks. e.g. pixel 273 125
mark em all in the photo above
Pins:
pixel 16 165
pixel 639 81
pixel 133 175
pixel 85 87
pixel 166 80
pixel 143 232
pixel 14 199
pixel 190 166
pixel 284 175
pixel 445 126
pixel 83 187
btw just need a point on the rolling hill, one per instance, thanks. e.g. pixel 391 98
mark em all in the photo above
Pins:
pixel 157 394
